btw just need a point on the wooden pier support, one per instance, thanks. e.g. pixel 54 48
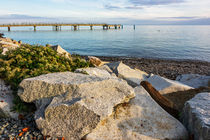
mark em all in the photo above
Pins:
pixel 134 27
pixel 91 27
pixel 105 27
pixel 75 27
pixel 34 28
pixel 115 26
pixel 8 29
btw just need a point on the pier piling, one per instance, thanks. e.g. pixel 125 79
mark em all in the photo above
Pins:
pixel 8 29
pixel 75 27
pixel 34 28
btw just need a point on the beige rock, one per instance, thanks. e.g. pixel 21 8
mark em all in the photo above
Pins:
pixel 165 86
pixel 60 50
pixel 96 61
pixel 70 104
pixel 133 77
pixel 140 119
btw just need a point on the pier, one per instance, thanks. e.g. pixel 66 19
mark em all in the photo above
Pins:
pixel 57 26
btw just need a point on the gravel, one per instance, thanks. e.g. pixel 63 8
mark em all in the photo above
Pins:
pixel 11 129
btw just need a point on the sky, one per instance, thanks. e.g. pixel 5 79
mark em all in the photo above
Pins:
pixel 114 11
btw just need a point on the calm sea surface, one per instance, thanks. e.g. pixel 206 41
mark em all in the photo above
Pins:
pixel 167 42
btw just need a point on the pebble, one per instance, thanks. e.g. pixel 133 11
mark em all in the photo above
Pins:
pixel 11 128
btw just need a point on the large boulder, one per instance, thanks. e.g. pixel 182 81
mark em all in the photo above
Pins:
pixel 6 101
pixel 194 80
pixel 70 104
pixel 140 119
pixel 132 76
pixel 165 86
pixel 196 116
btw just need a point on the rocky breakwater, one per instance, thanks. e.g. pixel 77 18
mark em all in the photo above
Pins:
pixel 71 105
pixel 95 104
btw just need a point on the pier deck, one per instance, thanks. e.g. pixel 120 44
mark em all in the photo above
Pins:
pixel 57 26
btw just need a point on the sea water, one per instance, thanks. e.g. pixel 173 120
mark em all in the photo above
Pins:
pixel 165 42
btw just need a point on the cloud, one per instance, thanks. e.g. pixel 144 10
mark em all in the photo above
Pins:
pixel 111 7
pixel 133 7
pixel 154 2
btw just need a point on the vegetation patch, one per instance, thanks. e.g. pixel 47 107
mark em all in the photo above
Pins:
pixel 34 60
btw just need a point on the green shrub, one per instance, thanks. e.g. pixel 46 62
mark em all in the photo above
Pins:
pixel 34 60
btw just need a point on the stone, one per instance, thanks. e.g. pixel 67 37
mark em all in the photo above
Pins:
pixel 94 72
pixel 106 68
pixel 140 119
pixel 132 76
pixel 165 86
pixel 196 116
pixel 60 50
pixel 96 61
pixel 70 104
pixel 194 80
pixel 6 101
pixel 164 102
pixel 7 44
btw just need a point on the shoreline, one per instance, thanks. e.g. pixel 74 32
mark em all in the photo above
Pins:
pixel 168 68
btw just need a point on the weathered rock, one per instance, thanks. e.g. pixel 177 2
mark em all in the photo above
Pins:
pixel 140 119
pixel 133 77
pixel 6 101
pixel 96 61
pixel 72 104
pixel 194 80
pixel 196 116
pixel 60 50
pixel 94 72
pixel 7 44
pixel 164 85
pixel 165 103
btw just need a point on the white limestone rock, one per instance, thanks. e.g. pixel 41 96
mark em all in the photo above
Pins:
pixel 70 104
pixel 6 101
pixel 164 85
pixel 132 76
pixel 196 116
pixel 140 119
pixel 194 80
